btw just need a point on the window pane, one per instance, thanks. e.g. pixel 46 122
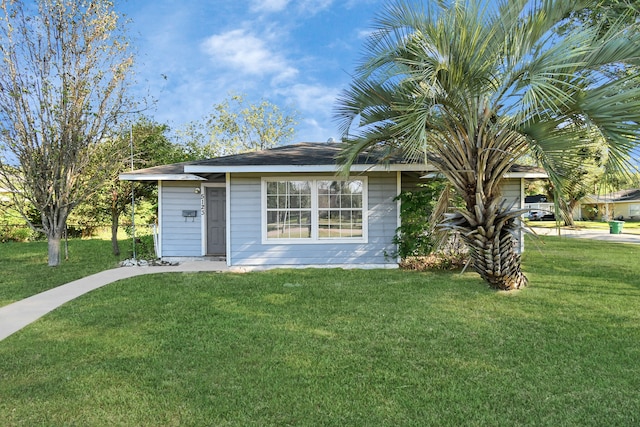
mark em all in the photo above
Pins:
pixel 340 209
pixel 288 210
pixel 295 201
pixel 323 201
pixel 274 227
pixel 345 201
pixel 305 201
pixel 356 201
pixel 356 224
pixel 355 187
pixel 272 202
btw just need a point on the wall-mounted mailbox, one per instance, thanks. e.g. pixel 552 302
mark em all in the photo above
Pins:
pixel 189 214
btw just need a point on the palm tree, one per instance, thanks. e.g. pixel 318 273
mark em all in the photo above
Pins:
pixel 472 86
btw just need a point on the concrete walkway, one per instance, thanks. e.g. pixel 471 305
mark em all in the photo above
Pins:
pixel 603 235
pixel 16 316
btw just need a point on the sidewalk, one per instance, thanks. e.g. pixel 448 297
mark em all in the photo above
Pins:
pixel 16 316
pixel 603 235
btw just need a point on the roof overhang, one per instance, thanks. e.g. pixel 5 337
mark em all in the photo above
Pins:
pixel 191 171
pixel 160 177
pixel 305 168
pixel 513 175
pixel 527 175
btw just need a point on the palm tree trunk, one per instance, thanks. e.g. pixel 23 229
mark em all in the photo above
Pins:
pixel 497 261
pixel 493 248
pixel 489 228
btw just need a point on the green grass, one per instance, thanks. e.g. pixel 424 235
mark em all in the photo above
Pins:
pixel 25 271
pixel 334 347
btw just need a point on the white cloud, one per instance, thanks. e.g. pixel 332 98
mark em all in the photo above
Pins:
pixel 311 131
pixel 269 5
pixel 311 98
pixel 248 54
pixel 315 6
pixel 308 7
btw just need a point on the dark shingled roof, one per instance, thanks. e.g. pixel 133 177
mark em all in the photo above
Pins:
pixel 302 154
pixel 632 195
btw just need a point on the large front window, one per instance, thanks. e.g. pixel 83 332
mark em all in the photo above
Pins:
pixel 314 210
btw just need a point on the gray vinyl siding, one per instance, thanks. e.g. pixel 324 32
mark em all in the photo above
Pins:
pixel 410 181
pixel 246 229
pixel 179 236
pixel 511 193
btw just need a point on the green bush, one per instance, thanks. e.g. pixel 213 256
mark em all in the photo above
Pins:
pixel 413 238
pixel 16 233
pixel 416 246
pixel 145 248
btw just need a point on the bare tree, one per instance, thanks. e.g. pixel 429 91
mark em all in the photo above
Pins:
pixel 65 69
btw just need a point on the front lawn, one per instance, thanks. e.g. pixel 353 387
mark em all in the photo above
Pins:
pixel 335 347
pixel 25 271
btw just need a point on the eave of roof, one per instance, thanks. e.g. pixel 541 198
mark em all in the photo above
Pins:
pixel 623 196
pixel 296 158
pixel 160 177
pixel 312 168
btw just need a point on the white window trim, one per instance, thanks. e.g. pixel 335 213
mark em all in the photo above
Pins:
pixel 314 239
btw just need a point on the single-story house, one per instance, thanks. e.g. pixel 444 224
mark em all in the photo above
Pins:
pixel 624 204
pixel 288 207
pixel 5 194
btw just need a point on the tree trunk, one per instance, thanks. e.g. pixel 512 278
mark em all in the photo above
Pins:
pixel 53 242
pixel 115 217
pixel 54 223
pixel 568 220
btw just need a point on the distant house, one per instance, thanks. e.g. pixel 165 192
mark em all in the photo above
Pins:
pixel 624 204
pixel 5 195
pixel 289 207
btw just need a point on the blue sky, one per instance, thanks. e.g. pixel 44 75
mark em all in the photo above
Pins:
pixel 295 53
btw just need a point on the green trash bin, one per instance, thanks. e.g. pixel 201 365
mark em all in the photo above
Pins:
pixel 615 227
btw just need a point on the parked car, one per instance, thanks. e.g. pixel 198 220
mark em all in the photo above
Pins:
pixel 541 216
